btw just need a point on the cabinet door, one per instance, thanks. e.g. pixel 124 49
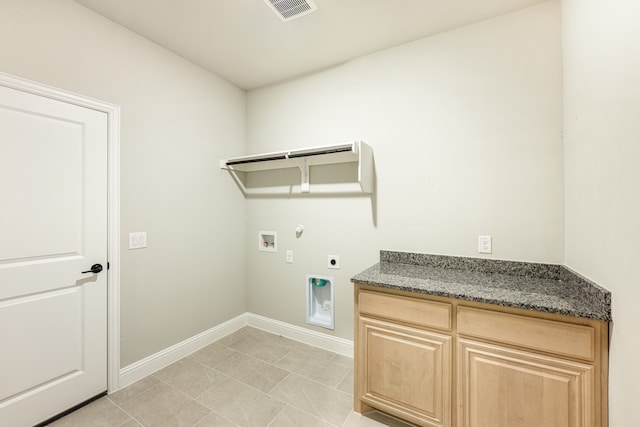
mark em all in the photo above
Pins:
pixel 405 371
pixel 501 387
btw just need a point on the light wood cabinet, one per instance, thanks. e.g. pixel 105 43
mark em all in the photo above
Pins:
pixel 501 387
pixel 406 371
pixel 446 362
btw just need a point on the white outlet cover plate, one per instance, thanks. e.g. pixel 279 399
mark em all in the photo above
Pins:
pixel 484 244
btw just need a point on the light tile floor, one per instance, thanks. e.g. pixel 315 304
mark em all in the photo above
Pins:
pixel 250 378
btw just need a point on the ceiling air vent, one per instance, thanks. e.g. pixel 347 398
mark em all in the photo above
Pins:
pixel 291 9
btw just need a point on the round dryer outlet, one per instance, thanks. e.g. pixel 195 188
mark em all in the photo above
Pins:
pixel 333 261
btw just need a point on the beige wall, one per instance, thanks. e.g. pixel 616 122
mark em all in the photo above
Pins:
pixel 601 42
pixel 466 132
pixel 177 121
pixel 465 128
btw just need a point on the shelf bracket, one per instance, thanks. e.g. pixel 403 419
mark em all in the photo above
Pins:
pixel 304 174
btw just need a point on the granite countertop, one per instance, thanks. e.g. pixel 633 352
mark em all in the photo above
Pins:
pixel 545 288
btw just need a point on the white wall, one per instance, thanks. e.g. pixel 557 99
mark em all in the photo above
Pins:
pixel 466 132
pixel 601 43
pixel 177 121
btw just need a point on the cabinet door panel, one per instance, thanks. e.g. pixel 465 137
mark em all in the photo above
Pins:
pixel 406 372
pixel 501 387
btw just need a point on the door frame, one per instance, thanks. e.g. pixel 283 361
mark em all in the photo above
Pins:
pixel 113 207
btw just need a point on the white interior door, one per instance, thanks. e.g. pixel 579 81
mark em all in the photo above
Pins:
pixel 53 226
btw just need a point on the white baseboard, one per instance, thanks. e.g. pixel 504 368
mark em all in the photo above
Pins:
pixel 147 366
pixel 307 336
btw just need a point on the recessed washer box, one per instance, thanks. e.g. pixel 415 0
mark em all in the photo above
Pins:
pixel 268 241
pixel 320 300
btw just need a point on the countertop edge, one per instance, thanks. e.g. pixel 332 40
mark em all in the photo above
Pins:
pixel 593 301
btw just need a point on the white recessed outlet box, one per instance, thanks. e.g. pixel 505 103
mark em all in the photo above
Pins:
pixel 484 244
pixel 333 261
pixel 138 240
pixel 268 241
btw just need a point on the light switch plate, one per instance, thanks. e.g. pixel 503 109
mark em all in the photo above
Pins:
pixel 138 240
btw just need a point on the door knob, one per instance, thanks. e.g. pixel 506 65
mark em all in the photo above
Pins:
pixel 95 268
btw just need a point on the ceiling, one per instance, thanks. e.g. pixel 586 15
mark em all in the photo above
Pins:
pixel 244 41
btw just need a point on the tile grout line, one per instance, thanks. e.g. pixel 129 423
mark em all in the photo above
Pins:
pixel 218 414
pixel 311 401
pixel 173 388
pixel 127 412
pixel 161 381
pixel 342 379
pixel 263 339
pixel 196 399
pixel 278 414
pixel 325 362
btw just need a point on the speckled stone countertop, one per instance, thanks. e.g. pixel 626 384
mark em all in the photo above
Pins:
pixel 540 287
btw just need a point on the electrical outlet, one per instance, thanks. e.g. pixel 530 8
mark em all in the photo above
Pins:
pixel 333 261
pixel 289 256
pixel 484 244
